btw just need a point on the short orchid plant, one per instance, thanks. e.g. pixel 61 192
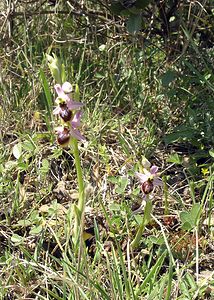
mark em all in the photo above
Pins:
pixel 148 180
pixel 68 134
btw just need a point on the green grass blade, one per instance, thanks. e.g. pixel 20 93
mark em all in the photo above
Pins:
pixel 152 274
pixel 48 96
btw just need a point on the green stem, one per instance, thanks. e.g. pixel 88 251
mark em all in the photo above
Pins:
pixel 81 203
pixel 79 210
pixel 146 219
pixel 136 241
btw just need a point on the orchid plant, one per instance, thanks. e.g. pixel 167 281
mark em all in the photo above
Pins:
pixel 68 134
pixel 148 180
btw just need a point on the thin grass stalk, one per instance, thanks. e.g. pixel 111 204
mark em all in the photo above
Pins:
pixel 165 240
pixel 165 192
pixel 169 287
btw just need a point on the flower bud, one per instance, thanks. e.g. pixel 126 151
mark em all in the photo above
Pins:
pixel 145 163
pixel 55 67
pixel 147 187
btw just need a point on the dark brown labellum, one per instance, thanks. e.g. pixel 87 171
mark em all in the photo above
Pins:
pixel 65 113
pixel 147 187
pixel 63 137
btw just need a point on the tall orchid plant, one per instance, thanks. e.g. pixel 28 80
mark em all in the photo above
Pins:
pixel 68 134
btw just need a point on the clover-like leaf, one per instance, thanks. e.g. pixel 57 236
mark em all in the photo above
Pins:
pixel 189 218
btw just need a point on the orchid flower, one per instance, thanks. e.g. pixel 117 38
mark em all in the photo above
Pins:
pixel 63 136
pixel 66 110
pixel 64 133
pixel 149 180
pixel 65 98
pixel 55 66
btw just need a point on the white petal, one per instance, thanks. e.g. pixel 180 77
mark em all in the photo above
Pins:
pixel 67 87
pixel 58 89
pixel 61 93
pixel 141 177
pixel 59 129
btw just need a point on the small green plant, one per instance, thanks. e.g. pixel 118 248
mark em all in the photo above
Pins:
pixel 190 218
pixel 148 181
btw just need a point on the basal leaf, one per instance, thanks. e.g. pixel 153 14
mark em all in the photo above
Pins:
pixel 195 212
pixel 116 8
pixel 187 226
pixel 186 220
